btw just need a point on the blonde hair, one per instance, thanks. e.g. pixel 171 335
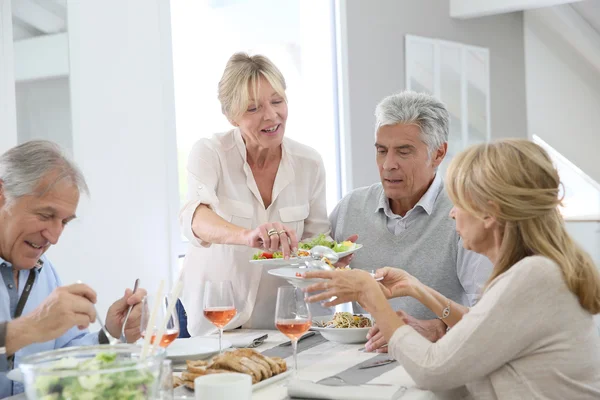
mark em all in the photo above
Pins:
pixel 515 181
pixel 242 72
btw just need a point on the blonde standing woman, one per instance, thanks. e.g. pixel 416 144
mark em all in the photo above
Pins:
pixel 249 188
pixel 532 334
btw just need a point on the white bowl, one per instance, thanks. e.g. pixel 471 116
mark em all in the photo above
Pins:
pixel 342 335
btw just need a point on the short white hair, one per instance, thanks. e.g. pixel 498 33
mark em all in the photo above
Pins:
pixel 23 167
pixel 421 109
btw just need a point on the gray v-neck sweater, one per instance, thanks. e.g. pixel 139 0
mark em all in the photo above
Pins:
pixel 429 248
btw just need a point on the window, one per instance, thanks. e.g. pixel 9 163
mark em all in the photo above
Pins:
pixel 297 35
pixel 581 193
pixel 458 75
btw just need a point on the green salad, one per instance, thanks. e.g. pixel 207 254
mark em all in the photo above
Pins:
pixel 321 240
pixel 126 385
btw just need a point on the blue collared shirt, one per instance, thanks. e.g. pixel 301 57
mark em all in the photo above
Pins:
pixel 46 281
pixel 397 224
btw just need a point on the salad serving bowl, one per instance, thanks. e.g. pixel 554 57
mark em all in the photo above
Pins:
pixel 93 372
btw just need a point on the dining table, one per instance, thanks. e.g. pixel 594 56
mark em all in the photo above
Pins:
pixel 318 359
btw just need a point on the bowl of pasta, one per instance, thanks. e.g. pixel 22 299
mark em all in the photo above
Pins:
pixel 343 327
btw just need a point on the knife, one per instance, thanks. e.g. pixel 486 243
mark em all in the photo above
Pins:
pixel 377 364
pixel 306 335
pixel 258 341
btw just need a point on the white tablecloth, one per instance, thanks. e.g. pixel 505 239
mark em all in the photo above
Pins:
pixel 327 359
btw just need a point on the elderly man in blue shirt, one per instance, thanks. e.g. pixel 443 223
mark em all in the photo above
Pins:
pixel 39 194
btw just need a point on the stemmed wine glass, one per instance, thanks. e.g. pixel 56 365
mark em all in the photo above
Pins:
pixel 292 316
pixel 172 331
pixel 219 307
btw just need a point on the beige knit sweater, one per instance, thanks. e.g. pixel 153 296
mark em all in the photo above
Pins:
pixel 527 338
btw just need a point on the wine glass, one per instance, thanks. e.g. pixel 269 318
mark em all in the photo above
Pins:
pixel 172 330
pixel 292 316
pixel 219 307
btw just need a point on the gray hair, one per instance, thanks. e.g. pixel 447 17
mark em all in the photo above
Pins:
pixel 420 109
pixel 23 167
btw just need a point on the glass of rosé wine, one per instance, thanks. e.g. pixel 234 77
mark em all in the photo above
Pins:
pixel 219 307
pixel 171 332
pixel 292 316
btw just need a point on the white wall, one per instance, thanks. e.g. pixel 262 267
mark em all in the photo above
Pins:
pixel 8 119
pixel 563 97
pixel 123 133
pixel 44 111
pixel 375 51
pixel 587 235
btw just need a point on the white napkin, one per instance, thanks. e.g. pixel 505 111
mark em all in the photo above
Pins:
pixel 311 390
pixel 245 339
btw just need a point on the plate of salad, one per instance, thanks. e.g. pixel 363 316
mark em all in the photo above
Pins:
pixel 276 258
pixel 343 249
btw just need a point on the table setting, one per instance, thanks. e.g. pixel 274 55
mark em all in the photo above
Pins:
pixel 305 358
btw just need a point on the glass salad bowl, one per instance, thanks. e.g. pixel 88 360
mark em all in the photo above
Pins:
pixel 93 372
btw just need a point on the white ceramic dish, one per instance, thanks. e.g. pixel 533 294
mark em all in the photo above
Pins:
pixel 290 275
pixel 195 348
pixel 184 393
pixel 271 380
pixel 15 375
pixel 347 253
pixel 342 335
pixel 280 262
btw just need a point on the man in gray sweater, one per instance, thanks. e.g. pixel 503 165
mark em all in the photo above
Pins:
pixel 404 220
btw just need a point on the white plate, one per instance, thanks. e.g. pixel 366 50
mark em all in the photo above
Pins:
pixel 342 335
pixel 16 375
pixel 182 391
pixel 348 252
pixel 280 262
pixel 289 274
pixel 271 380
pixel 195 348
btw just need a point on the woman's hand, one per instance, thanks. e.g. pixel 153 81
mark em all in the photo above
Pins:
pixel 345 285
pixel 397 282
pixel 431 330
pixel 273 236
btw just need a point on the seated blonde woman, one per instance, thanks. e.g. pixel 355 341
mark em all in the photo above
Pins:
pixel 532 334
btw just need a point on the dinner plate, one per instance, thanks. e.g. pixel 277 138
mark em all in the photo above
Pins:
pixel 280 262
pixel 194 348
pixel 289 274
pixel 16 375
pixel 271 380
pixel 348 252
pixel 184 392
pixel 341 335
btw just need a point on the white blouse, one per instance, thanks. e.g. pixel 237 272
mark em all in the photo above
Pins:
pixel 527 338
pixel 220 177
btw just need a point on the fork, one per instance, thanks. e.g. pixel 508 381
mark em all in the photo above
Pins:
pixel 123 339
pixel 111 339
